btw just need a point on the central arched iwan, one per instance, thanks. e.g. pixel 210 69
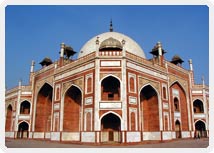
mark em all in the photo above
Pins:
pixel 44 109
pixel 149 109
pixel 72 109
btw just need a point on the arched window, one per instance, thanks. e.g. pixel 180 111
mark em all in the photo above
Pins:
pixel 198 106
pixel 110 89
pixel 25 107
pixel 176 104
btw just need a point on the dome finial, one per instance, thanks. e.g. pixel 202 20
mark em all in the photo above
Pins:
pixel 111 26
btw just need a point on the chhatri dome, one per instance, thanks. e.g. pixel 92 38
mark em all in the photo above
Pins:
pixel 114 38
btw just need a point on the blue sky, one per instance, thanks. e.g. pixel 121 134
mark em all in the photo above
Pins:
pixel 35 32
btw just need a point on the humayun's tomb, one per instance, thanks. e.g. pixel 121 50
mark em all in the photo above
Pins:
pixel 110 93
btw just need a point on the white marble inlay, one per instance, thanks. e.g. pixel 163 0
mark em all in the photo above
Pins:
pixel 47 135
pixel 24 117
pixel 175 92
pixel 110 63
pixel 9 134
pixel 199 115
pixel 132 100
pixel 165 105
pixel 83 68
pixel 113 105
pixel 133 137
pixel 70 136
pixel 88 136
pixel 197 92
pixel 55 136
pixel 185 134
pixel 38 135
pixel 142 69
pixel 177 114
pixel 167 135
pixel 26 92
pixel 56 106
pixel 88 100
pixel 151 136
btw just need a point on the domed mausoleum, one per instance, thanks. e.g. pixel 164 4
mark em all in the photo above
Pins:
pixel 110 93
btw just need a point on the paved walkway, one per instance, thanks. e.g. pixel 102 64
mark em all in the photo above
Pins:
pixel 180 143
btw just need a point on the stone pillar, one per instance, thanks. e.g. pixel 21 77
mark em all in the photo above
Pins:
pixel 62 49
pixel 97 47
pixel 124 93
pixel 159 48
pixel 32 66
pixel 97 98
pixel 190 64
pixel 17 108
pixel 205 104
pixel 31 71
pixel 191 72
pixel 160 55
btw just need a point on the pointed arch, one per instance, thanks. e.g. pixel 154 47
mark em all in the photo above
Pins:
pixel 72 98
pixel 44 108
pixel 180 85
pixel 66 89
pixel 109 113
pixel 23 121
pixel 112 75
pixel 9 117
pixel 149 106
pixel 40 87
pixel 149 84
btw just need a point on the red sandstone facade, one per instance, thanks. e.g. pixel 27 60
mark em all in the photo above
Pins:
pixel 110 93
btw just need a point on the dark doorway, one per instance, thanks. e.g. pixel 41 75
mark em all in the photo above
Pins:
pixel 23 130
pixel 178 129
pixel 110 125
pixel 201 128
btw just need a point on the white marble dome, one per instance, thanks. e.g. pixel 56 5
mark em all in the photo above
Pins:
pixel 130 45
